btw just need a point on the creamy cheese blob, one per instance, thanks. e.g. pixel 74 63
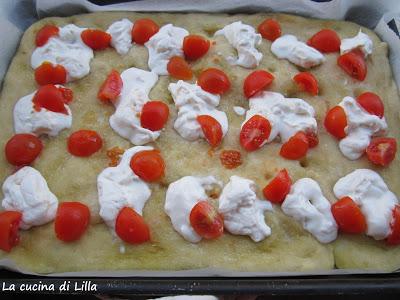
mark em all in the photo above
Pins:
pixel 374 198
pixel 27 191
pixel 191 101
pixel 297 52
pixel 182 195
pixel 120 187
pixel 360 41
pixel 166 43
pixel 43 122
pixel 121 35
pixel 125 121
pixel 361 127
pixel 66 49
pixel 240 111
pixel 287 116
pixel 307 205
pixel 244 38
pixel 242 211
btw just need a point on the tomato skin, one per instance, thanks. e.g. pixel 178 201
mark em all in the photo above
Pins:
pixel 46 32
pixel 278 188
pixel 51 98
pixel 178 68
pixel 72 220
pixel 214 81
pixel 67 94
pixel 9 226
pixel 47 73
pixel 394 237
pixel 148 165
pixel 84 143
pixel 131 227
pixel 206 221
pixel 111 87
pixel 348 216
pixel 372 103
pixel 96 39
pixel 307 82
pixel 195 46
pixel 382 151
pixel 270 29
pixel 254 132
pixel 230 159
pixel 143 30
pixel 336 121
pixel 22 149
pixel 256 81
pixel 326 41
pixel 353 63
pixel 154 115
pixel 312 138
pixel 296 147
pixel 211 128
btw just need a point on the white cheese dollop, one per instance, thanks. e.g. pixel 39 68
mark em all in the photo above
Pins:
pixel 166 43
pixel 297 52
pixel 121 35
pixel 307 205
pixel 240 111
pixel 376 201
pixel 27 191
pixel 242 211
pixel 66 49
pixel 361 127
pixel 120 187
pixel 287 116
pixel 182 195
pixel 360 41
pixel 43 122
pixel 125 121
pixel 244 38
pixel 192 101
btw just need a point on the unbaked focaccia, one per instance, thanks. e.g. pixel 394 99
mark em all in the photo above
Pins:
pixel 227 152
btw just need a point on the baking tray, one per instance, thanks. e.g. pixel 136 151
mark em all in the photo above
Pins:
pixel 354 285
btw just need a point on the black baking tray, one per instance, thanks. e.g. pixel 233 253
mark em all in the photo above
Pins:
pixel 353 286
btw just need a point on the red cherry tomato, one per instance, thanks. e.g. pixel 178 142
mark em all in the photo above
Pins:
pixel 348 216
pixel 178 68
pixel 51 98
pixel 325 41
pixel 72 220
pixel 254 132
pixel 353 63
pixel 154 115
pixel 382 151
pixel 9 226
pixel 96 39
pixel 206 221
pixel 84 143
pixel 22 149
pixel 277 190
pixel 270 29
pixel 47 73
pixel 111 87
pixel 143 30
pixel 312 138
pixel 214 81
pixel 67 94
pixel 372 103
pixel 394 236
pixel 336 121
pixel 46 32
pixel 131 227
pixel 195 46
pixel 211 128
pixel 148 165
pixel 296 147
pixel 256 81
pixel 307 82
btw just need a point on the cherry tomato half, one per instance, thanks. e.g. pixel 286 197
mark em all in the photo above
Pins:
pixel 325 41
pixel 206 221
pixel 51 98
pixel 256 82
pixel 278 188
pixel 143 30
pixel 9 226
pixel 178 68
pixel 131 227
pixel 307 82
pixel 22 149
pixel 254 132
pixel 84 143
pixel 296 147
pixel 348 216
pixel 270 29
pixel 148 165
pixel 96 39
pixel 372 103
pixel 111 87
pixel 195 46
pixel 154 115
pixel 46 32
pixel 211 128
pixel 353 63
pixel 382 151
pixel 47 73
pixel 214 81
pixel 394 236
pixel 336 121
pixel 72 220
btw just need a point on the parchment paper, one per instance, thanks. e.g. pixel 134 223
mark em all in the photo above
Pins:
pixel 383 16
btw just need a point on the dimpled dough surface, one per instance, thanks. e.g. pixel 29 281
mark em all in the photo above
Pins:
pixel 289 248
